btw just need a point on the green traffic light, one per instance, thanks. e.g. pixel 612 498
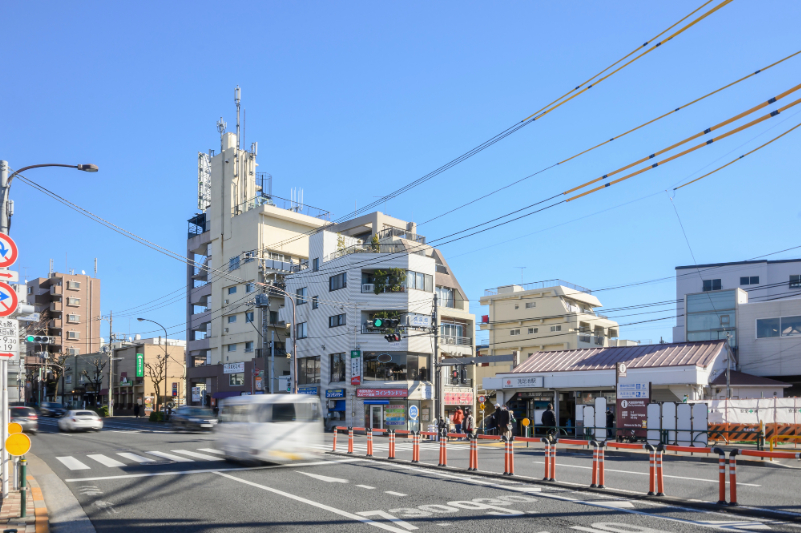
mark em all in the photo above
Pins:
pixel 30 338
pixel 378 322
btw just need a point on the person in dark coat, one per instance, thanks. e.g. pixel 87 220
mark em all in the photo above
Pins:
pixel 136 410
pixel 502 420
pixel 610 424
pixel 549 419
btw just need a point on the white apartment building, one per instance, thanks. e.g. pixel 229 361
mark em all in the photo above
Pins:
pixel 242 237
pixel 756 305
pixel 376 266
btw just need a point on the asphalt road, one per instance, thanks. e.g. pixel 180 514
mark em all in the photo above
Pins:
pixel 137 476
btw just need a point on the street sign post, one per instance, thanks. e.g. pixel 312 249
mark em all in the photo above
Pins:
pixel 8 251
pixel 8 299
pixel 9 276
pixel 13 428
pixel 18 444
pixel 9 339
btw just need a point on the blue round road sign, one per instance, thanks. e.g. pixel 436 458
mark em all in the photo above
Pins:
pixel 413 412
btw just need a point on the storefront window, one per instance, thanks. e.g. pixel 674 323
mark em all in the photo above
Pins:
pixel 309 371
pixel 395 366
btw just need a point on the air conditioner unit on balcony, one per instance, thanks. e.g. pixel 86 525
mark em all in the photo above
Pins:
pixel 226 330
pixel 449 340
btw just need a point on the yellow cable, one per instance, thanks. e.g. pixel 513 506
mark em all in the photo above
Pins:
pixel 742 156
pixel 694 148
pixel 688 139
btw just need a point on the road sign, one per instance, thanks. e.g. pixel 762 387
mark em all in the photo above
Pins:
pixel 13 428
pixel 413 412
pixel 9 276
pixel 8 298
pixel 8 251
pixel 33 317
pixel 621 370
pixel 481 406
pixel 526 422
pixel 18 444
pixel 482 399
pixel 9 339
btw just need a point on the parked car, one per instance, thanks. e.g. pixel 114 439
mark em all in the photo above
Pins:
pixel 193 418
pixel 25 417
pixel 52 409
pixel 77 420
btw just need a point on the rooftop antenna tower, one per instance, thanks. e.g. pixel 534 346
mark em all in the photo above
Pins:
pixel 521 274
pixel 237 98
pixel 296 200
pixel 50 274
pixel 221 125
pixel 95 266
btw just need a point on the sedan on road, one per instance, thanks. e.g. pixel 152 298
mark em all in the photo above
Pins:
pixel 25 417
pixel 193 418
pixel 52 409
pixel 80 420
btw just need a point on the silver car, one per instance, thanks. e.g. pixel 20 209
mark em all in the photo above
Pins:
pixel 80 420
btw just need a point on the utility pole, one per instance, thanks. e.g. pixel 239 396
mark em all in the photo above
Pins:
pixel 110 362
pixel 435 400
pixel 272 360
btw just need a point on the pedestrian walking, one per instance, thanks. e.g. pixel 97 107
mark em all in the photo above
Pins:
pixel 458 418
pixel 549 420
pixel 469 422
pixel 136 410
pixel 502 421
pixel 610 424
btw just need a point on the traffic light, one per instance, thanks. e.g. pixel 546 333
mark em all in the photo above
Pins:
pixel 463 374
pixel 41 339
pixel 393 337
pixel 391 323
pixel 377 323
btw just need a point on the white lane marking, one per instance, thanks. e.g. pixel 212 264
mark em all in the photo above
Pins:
pixel 397 521
pixel 105 461
pixel 171 457
pixel 134 457
pixel 334 510
pixel 619 504
pixel 323 478
pixel 648 474
pixel 366 487
pixel 72 463
pixel 210 471
pixel 212 450
pixel 196 455
pixel 394 493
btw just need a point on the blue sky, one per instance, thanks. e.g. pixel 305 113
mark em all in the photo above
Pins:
pixel 351 100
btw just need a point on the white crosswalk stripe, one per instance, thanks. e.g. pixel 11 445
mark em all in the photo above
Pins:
pixel 105 461
pixel 72 463
pixel 211 450
pixel 171 457
pixel 134 457
pixel 196 455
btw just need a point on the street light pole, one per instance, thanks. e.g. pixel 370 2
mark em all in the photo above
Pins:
pixel 294 338
pixel 165 356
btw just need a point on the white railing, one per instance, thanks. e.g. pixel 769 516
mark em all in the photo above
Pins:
pixel 460 341
pixel 368 287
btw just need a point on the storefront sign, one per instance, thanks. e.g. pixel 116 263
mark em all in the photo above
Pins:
pixel 259 383
pixel 395 415
pixel 233 368
pixel 125 383
pixel 632 416
pixel 195 394
pixel 335 393
pixel 536 382
pixel 414 412
pixel 175 389
pixel 419 321
pixel 381 393
pixel 308 390
pixel 355 367
pixel 537 396
pixel 140 365
pixel 633 390
pixel 458 398
pixel 285 383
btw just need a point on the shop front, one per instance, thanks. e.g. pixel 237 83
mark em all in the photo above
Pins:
pixel 337 408
pixel 393 409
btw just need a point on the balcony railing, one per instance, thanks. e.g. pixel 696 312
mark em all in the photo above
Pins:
pixel 460 341
pixel 401 233
pixel 598 340
pixel 534 286
pixel 281 203
pixel 370 287
pixel 369 248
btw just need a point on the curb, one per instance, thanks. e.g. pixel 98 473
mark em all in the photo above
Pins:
pixel 741 511
pixel 42 519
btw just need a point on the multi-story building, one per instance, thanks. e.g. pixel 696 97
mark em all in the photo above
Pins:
pixel 376 266
pixel 243 238
pixel 551 315
pixel 755 305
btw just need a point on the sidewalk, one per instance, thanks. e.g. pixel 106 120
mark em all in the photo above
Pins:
pixel 36 520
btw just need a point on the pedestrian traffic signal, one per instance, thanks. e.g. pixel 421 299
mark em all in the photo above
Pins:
pixel 41 339
pixel 393 337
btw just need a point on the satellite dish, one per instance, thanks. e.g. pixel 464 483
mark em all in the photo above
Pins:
pixel 385 358
pixel 83 272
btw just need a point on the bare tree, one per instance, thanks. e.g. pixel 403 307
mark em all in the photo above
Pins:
pixel 95 375
pixel 56 366
pixel 156 374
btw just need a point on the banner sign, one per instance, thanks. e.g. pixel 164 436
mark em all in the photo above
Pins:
pixel 233 368
pixel 632 417
pixel 355 367
pixel 535 382
pixel 140 365
pixel 458 398
pixel 335 393
pixel 381 393
pixel 308 390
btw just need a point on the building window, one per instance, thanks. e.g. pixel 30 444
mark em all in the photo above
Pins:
pixel 250 287
pixel 337 367
pixel 75 302
pixel 531 331
pixel 419 281
pixel 795 281
pixel 445 297
pixel 301 330
pixel 30 290
pixel 556 328
pixel 530 305
pixel 517 306
pixel 315 264
pixel 749 280
pixel 232 347
pixel 74 319
pixel 73 335
pixel 451 329
pixel 340 281
pixel 73 351
pixel 396 366
pixel 232 290
pixel 273 317
pixel 232 319
pixel 74 285
pixel 787 326
pixel 300 295
pixel 233 263
pixel 236 380
pixel 711 285
pixel 249 317
pixel 314 302
pixel 514 332
pixel 309 370
pixel 336 320
pixel 249 346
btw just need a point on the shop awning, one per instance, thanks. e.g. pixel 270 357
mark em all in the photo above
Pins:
pixel 376 402
pixel 225 394
pixel 339 406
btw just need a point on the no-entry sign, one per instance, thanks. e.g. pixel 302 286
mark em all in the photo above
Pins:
pixel 8 299
pixel 8 251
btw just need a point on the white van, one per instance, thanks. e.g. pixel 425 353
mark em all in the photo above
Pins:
pixel 275 428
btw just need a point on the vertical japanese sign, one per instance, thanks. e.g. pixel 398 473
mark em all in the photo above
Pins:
pixel 355 367
pixel 140 365
pixel 175 389
pixel 9 339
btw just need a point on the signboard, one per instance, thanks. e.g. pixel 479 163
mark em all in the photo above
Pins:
pixel 9 339
pixel 8 299
pixel 395 416
pixel 335 393
pixel 308 390
pixel 621 370
pixel 536 382
pixel 381 393
pixel 632 417
pixel 8 251
pixel 9 276
pixel 458 398
pixel 285 383
pixel 124 382
pixel 258 382
pixel 195 394
pixel 414 412
pixel 175 389
pixel 419 321
pixel 18 443
pixel 482 399
pixel 140 365
pixel 234 368
pixel 355 367
pixel 633 390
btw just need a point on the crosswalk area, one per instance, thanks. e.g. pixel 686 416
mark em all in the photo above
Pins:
pixel 116 428
pixel 154 457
